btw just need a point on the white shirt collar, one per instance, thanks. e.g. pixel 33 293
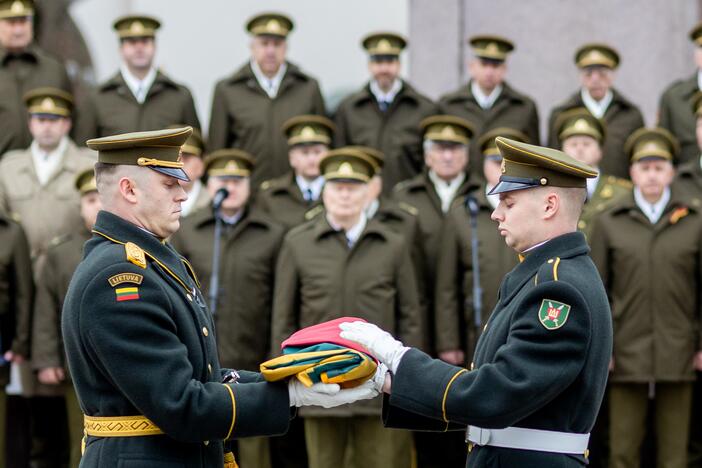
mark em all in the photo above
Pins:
pixel 592 185
pixel 315 186
pixel 390 95
pixel 483 100
pixel 353 234
pixel 446 190
pixel 189 205
pixel 46 164
pixel 372 208
pixel 139 88
pixel 269 85
pixel 493 199
pixel 533 247
pixel 232 220
pixel 652 211
pixel 699 79
pixel 596 108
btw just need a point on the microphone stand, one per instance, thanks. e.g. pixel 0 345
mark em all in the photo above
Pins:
pixel 214 279
pixel 473 208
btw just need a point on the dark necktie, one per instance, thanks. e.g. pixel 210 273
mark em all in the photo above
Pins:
pixel 383 105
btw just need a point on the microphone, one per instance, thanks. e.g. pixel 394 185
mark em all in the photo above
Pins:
pixel 219 198
pixel 472 205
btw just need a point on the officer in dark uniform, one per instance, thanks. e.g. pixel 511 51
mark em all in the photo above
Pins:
pixel 139 337
pixel 288 198
pixel 540 369
pixel 139 96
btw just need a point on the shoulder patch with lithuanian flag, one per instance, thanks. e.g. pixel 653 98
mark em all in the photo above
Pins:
pixel 127 294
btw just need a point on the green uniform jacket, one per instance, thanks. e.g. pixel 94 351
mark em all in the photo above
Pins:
pixel 675 114
pixel 318 278
pixel 621 119
pixel 248 255
pixel 419 192
pixel 243 116
pixel 454 308
pixel 113 108
pixel 609 190
pixel 512 109
pixel 689 178
pixel 395 132
pixel 283 201
pixel 16 290
pixel 62 258
pixel 652 275
pixel 155 355
pixel 526 375
pixel 34 68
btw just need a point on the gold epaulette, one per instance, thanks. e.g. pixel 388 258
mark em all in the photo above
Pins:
pixel 135 254
pixel 408 208
pixel 313 212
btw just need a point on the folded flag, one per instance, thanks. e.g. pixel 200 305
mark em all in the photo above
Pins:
pixel 317 354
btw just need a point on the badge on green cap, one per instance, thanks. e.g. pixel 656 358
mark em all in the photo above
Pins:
pixel 553 314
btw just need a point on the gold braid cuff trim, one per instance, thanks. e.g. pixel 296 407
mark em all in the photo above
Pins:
pixel 119 426
pixel 443 403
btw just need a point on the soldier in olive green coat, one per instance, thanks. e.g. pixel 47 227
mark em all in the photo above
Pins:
pixel 581 136
pixel 23 66
pixel 597 64
pixel 487 101
pixel 648 250
pixel 337 264
pixel 48 357
pixel 675 107
pixel 250 106
pixel 431 193
pixel 249 248
pixel 289 198
pixel 139 97
pixel 385 114
pixel 192 155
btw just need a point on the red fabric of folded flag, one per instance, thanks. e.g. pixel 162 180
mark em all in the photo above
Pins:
pixel 325 332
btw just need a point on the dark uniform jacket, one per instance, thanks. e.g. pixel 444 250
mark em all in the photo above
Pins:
pixel 395 132
pixel 154 354
pixel 62 257
pixel 248 255
pixel 512 109
pixel 16 291
pixel 652 273
pixel 114 109
pixel 319 278
pixel 454 310
pixel 675 114
pixel 526 374
pixel 621 119
pixel 689 177
pixel 283 201
pixel 245 117
pixel 20 73
pixel 608 192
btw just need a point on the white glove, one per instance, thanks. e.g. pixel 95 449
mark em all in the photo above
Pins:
pixel 328 395
pixel 378 342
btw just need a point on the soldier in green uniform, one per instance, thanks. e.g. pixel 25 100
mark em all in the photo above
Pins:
pixel 487 101
pixel 139 96
pixel 456 328
pixel 431 193
pixel 250 242
pixel 581 135
pixel 648 251
pixel 62 257
pixel 23 66
pixel 689 174
pixel 289 198
pixel 597 64
pixel 385 113
pixel 337 264
pixel 675 107
pixel 533 391
pixel 140 339
pixel 17 286
pixel 36 185
pixel 250 106
pixel 192 155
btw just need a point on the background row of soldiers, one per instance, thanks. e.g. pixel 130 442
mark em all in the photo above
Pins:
pixel 419 163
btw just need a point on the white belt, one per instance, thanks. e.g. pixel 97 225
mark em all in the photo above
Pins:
pixel 530 439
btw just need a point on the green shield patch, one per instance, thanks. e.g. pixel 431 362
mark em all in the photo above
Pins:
pixel 553 314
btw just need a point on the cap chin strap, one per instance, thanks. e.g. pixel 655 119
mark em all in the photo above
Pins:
pixel 160 163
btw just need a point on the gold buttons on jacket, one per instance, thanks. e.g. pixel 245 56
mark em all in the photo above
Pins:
pixel 205 331
pixel 209 368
